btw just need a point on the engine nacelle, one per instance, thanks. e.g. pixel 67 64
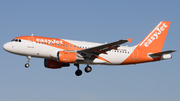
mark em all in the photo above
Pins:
pixel 68 57
pixel 52 64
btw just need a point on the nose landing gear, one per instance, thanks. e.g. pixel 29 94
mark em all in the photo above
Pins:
pixel 28 60
pixel 27 65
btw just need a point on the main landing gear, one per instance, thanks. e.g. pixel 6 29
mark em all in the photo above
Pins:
pixel 88 69
pixel 79 72
pixel 28 60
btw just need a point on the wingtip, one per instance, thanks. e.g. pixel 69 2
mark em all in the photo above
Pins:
pixel 129 40
pixel 173 50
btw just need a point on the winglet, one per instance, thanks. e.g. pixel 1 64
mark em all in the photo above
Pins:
pixel 129 40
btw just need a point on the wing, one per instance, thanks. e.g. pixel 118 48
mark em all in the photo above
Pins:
pixel 102 48
pixel 161 53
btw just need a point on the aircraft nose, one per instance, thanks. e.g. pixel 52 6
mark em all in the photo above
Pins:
pixel 7 47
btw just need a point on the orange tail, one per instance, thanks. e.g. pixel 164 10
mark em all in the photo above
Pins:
pixel 155 39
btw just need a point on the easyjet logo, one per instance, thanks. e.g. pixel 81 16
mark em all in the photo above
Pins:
pixel 155 34
pixel 49 41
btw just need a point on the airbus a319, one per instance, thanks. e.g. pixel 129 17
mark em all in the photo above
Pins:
pixel 58 53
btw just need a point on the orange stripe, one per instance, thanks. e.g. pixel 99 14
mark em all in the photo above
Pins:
pixel 104 59
pixel 99 57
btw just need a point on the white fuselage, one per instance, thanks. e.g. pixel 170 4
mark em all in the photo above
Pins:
pixel 40 50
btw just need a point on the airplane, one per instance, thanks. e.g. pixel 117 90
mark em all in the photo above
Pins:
pixel 58 53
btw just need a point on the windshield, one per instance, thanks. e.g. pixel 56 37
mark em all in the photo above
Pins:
pixel 16 40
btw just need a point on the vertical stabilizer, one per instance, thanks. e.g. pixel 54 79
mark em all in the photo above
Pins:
pixel 155 39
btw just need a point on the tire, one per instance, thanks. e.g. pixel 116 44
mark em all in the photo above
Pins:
pixel 78 72
pixel 88 69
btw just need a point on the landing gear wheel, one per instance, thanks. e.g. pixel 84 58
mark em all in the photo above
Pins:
pixel 28 60
pixel 78 72
pixel 88 69
pixel 27 65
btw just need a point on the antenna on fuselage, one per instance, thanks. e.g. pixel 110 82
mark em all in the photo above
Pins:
pixel 32 34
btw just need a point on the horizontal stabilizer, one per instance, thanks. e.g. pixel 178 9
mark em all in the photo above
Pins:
pixel 161 53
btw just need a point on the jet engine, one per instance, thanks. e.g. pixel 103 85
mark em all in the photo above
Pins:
pixel 68 57
pixel 52 64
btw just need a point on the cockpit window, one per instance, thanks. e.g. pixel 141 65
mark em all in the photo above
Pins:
pixel 16 40
pixel 12 40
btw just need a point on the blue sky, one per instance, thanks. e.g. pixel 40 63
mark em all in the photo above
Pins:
pixel 95 21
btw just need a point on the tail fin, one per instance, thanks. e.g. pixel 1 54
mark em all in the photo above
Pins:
pixel 155 39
